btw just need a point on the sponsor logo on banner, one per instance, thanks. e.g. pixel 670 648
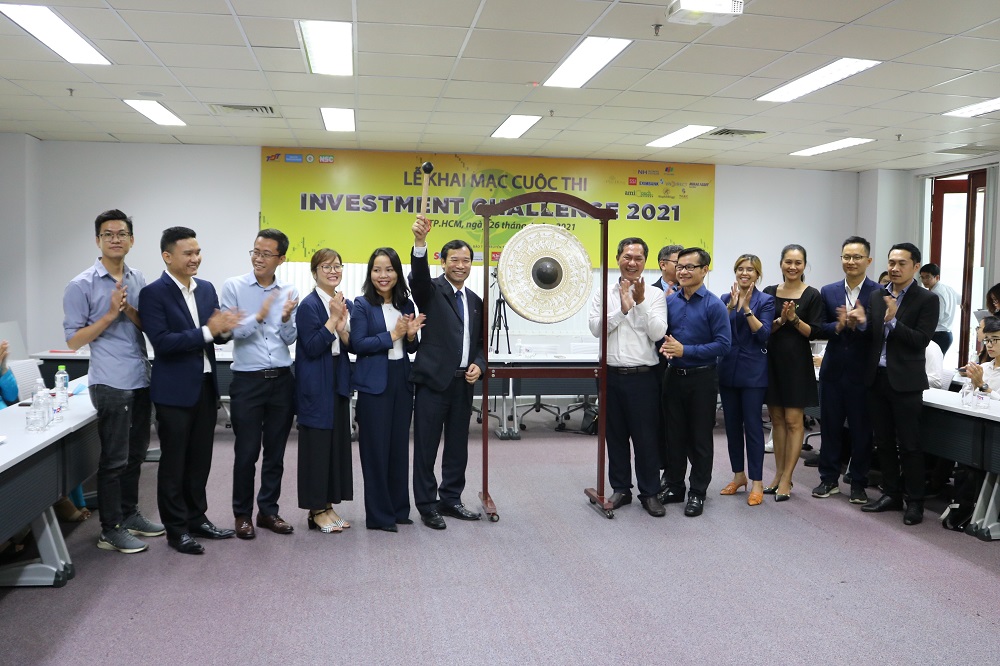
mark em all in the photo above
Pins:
pixel 633 181
pixel 494 256
pixel 272 158
pixel 649 172
pixel 310 158
pixel 293 157
pixel 326 159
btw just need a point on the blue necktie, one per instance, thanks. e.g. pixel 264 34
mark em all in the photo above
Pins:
pixel 460 305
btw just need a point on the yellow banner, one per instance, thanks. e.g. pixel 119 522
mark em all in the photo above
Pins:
pixel 355 201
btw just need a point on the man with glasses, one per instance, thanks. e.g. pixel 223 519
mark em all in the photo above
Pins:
pixel 843 373
pixel 698 334
pixel 636 322
pixel 667 259
pixel 262 393
pixel 930 277
pixel 99 309
pixel 900 322
pixel 445 370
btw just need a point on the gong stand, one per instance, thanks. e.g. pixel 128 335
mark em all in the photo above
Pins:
pixel 597 371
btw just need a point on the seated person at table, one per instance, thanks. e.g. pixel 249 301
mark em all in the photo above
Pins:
pixel 986 377
pixel 8 384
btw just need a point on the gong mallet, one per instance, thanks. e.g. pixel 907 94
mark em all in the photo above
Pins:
pixel 427 168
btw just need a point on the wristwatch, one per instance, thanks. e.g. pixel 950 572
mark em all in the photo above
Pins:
pixel 985 387
pixel 748 314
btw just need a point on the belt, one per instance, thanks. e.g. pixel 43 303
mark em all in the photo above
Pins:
pixel 631 370
pixel 270 373
pixel 684 372
pixel 460 372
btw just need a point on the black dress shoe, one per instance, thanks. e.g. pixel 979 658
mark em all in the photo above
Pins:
pixel 653 506
pixel 884 503
pixel 384 528
pixel 618 500
pixel 210 531
pixel 671 496
pixel 404 521
pixel 914 514
pixel 186 544
pixel 694 506
pixel 433 520
pixel 663 481
pixel 458 511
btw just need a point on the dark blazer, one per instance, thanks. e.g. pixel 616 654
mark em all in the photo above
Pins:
pixel 847 351
pixel 179 346
pixel 317 377
pixel 371 342
pixel 745 365
pixel 441 338
pixel 906 344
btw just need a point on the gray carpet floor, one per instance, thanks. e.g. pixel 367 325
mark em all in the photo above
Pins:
pixel 803 582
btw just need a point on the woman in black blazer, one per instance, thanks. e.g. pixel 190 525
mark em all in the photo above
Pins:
pixel 323 396
pixel 384 330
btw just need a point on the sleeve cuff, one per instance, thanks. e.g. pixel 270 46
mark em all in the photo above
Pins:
pixel 419 251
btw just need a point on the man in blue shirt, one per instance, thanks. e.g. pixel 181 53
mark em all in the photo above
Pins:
pixel 99 308
pixel 262 393
pixel 698 334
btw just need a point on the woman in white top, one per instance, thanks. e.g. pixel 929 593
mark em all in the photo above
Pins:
pixel 986 377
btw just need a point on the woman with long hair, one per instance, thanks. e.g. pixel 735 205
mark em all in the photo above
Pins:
pixel 743 376
pixel 383 331
pixel 791 376
pixel 323 396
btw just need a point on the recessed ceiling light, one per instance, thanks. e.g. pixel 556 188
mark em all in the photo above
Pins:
pixel 329 47
pixel 680 136
pixel 588 59
pixel 55 33
pixel 154 111
pixel 976 109
pixel 834 145
pixel 515 126
pixel 338 120
pixel 821 78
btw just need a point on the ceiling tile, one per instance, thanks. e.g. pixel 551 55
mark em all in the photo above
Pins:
pixel 204 55
pixel 901 76
pixel 931 16
pixel 177 28
pixel 223 78
pixel 706 59
pixel 782 34
pixel 137 75
pixel 927 103
pixel 270 32
pixel 428 12
pixel 960 52
pixel 320 10
pixel 407 39
pixel 386 64
pixel 859 41
pixel 193 6
pixel 311 82
pixel 687 82
pixel 281 60
pixel 533 46
pixel 985 85
pixel 233 96
pixel 501 71
pixel 372 85
pixel 95 24
pixel 127 52
pixel 843 11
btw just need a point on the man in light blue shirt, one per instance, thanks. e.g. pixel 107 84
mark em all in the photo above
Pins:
pixel 99 308
pixel 263 388
pixel 930 277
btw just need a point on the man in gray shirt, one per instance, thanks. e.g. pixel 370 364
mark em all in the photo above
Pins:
pixel 99 308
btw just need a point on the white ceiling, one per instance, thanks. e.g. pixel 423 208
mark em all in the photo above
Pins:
pixel 441 75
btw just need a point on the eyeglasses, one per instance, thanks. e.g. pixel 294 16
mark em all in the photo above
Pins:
pixel 257 254
pixel 856 258
pixel 687 268
pixel 991 341
pixel 331 268
pixel 110 236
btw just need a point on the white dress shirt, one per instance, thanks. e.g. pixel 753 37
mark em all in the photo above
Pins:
pixel 188 294
pixel 632 337
pixel 325 297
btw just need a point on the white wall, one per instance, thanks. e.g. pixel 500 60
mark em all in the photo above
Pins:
pixel 17 162
pixel 216 191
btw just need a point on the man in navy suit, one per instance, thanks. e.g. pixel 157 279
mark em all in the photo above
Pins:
pixel 843 374
pixel 445 370
pixel 181 316
pixel 901 320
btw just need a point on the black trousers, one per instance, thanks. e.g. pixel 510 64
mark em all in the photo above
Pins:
pixel 896 416
pixel 261 410
pixel 690 401
pixel 186 435
pixel 841 400
pixel 434 412
pixel 123 417
pixel 631 413
pixel 943 339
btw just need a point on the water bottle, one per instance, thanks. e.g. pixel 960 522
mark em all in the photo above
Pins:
pixel 981 400
pixel 36 415
pixel 44 402
pixel 62 393
pixel 965 395
pixel 519 348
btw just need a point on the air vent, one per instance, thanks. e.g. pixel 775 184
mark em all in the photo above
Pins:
pixel 733 133
pixel 244 110
pixel 970 149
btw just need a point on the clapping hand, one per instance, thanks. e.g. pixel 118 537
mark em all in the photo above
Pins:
pixel 119 300
pixel 414 324
pixel 671 348
pixel 890 308
pixel 223 321
pixel 625 289
pixel 286 310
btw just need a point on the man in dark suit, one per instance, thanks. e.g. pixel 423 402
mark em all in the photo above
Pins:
pixel 843 374
pixel 901 321
pixel 445 370
pixel 181 316
pixel 667 259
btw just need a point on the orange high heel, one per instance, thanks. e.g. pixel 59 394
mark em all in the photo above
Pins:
pixel 732 488
pixel 756 498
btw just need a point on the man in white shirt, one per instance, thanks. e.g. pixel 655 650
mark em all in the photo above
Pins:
pixel 637 320
pixel 930 277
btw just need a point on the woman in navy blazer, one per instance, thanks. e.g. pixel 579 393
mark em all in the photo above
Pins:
pixel 323 396
pixel 384 329
pixel 743 376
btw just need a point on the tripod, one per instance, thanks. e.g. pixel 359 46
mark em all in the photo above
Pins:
pixel 499 317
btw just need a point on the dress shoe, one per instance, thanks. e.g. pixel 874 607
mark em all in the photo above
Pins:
pixel 244 528
pixel 404 521
pixel 433 520
pixel 458 511
pixel 732 488
pixel 384 528
pixel 694 506
pixel 210 531
pixel 653 506
pixel 756 498
pixel 275 523
pixel 618 500
pixel 884 503
pixel 914 514
pixel 671 496
pixel 186 544
pixel 770 490
pixel 325 528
